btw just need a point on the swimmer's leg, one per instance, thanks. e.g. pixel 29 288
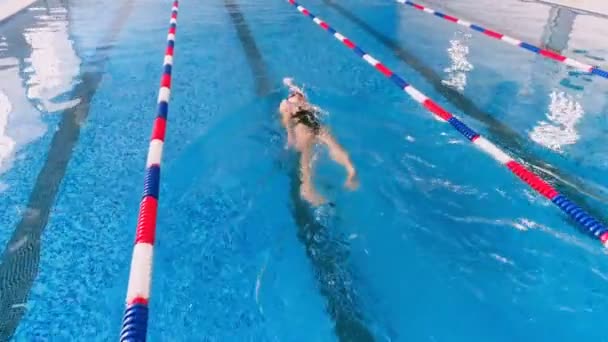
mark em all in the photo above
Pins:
pixel 340 156
pixel 307 190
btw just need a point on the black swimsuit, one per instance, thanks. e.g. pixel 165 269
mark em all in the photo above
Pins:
pixel 307 118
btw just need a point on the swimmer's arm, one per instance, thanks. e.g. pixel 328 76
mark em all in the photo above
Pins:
pixel 292 87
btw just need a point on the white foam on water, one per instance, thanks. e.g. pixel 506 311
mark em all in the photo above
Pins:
pixel 457 71
pixel 418 160
pixel 432 184
pixel 501 259
pixel 559 128
pixel 455 141
pixel 536 198
pixel 520 224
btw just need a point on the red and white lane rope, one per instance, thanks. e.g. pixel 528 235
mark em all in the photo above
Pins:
pixel 135 319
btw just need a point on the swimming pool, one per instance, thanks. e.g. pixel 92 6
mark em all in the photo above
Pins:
pixel 439 243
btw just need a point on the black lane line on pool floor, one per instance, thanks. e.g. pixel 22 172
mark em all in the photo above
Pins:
pixel 252 53
pixel 507 138
pixel 328 256
pixel 21 257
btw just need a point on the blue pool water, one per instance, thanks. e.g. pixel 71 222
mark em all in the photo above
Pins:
pixel 440 243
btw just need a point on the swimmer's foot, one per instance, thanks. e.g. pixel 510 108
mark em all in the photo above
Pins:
pixel 352 183
pixel 311 196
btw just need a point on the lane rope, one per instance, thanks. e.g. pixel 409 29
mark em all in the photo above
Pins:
pixel 135 318
pixel 510 40
pixel 587 222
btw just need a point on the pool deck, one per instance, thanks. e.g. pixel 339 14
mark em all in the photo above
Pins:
pixel 591 6
pixel 10 7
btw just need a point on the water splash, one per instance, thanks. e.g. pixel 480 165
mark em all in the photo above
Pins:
pixel 324 214
pixel 559 129
pixel 457 72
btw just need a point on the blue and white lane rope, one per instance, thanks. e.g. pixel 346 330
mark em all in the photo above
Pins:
pixel 510 40
pixel 588 223
pixel 135 319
